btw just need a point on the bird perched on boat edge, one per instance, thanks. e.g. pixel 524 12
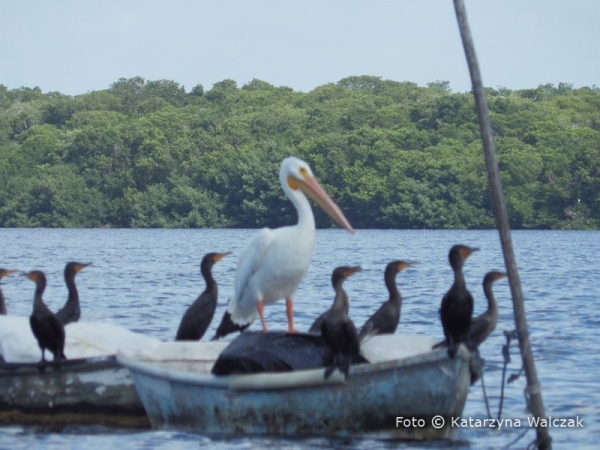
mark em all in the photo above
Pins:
pixel 385 320
pixel 4 273
pixel 47 329
pixel 197 317
pixel 457 304
pixel 338 330
pixel 484 324
pixel 338 276
pixel 275 261
pixel 71 312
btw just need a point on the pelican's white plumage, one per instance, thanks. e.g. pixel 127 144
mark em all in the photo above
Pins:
pixel 270 268
pixel 275 261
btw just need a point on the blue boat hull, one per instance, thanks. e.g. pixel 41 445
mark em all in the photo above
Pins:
pixel 370 403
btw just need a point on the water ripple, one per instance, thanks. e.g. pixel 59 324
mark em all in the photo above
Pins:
pixel 144 279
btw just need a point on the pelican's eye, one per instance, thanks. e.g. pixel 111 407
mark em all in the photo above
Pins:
pixel 304 172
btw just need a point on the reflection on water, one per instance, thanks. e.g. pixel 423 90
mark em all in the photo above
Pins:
pixel 144 280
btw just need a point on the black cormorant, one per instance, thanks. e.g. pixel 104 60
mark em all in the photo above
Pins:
pixel 339 333
pixel 47 329
pixel 337 279
pixel 386 318
pixel 198 316
pixel 337 330
pixel 483 325
pixel 457 305
pixel 71 311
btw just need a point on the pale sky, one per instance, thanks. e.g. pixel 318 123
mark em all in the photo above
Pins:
pixel 77 46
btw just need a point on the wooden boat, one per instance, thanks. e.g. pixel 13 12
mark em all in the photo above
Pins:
pixel 405 379
pixel 88 388
pixel 78 391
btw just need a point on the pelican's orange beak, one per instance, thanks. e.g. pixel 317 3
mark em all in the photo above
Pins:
pixel 311 187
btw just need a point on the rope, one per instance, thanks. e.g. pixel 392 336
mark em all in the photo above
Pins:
pixel 485 398
pixel 527 392
pixel 506 356
pixel 540 443
pixel 534 390
pixel 518 438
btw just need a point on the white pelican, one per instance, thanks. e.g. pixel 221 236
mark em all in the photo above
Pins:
pixel 275 261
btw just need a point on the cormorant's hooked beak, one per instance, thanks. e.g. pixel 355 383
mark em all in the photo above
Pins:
pixel 80 266
pixel 29 275
pixel 465 252
pixel 499 275
pixel 406 264
pixel 6 272
pixel 352 270
pixel 220 256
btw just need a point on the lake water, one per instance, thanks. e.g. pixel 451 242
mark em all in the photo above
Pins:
pixel 144 280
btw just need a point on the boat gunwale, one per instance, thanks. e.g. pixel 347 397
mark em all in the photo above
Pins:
pixel 72 392
pixel 282 380
pixel 8 369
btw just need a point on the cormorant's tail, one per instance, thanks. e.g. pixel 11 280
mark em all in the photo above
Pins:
pixel 440 344
pixel 227 326
pixel 454 344
pixel 59 355
pixel 340 361
pixel 452 349
pixel 367 331
pixel 316 326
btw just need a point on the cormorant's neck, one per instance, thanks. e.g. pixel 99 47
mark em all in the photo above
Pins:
pixel 390 283
pixel 487 290
pixel 2 305
pixel 73 297
pixel 211 284
pixel 340 303
pixel 40 285
pixel 459 278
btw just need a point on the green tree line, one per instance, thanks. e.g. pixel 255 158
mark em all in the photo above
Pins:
pixel 392 155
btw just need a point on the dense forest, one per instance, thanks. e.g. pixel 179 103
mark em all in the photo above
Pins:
pixel 391 154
